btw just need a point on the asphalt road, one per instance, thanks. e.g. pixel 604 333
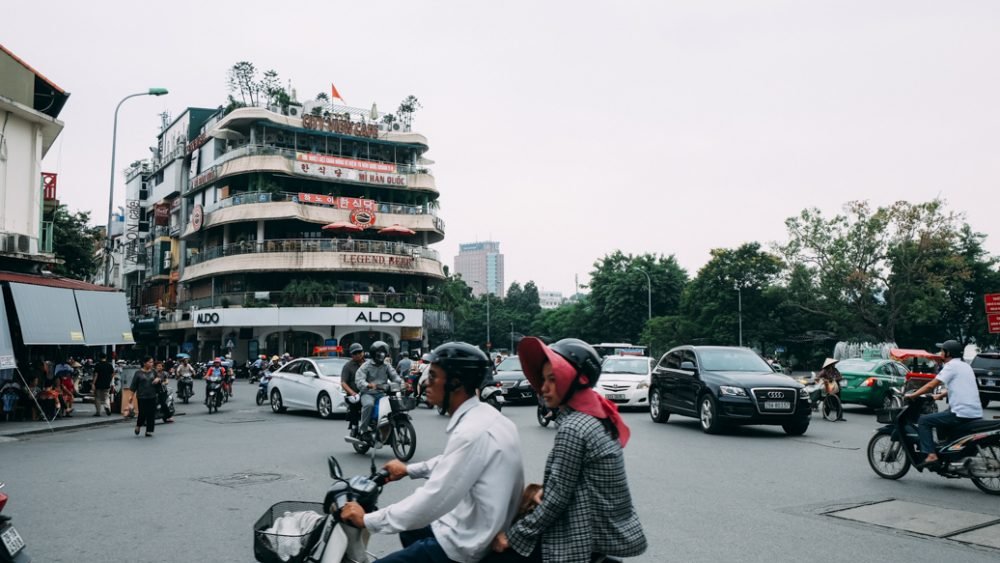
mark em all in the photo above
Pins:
pixel 193 492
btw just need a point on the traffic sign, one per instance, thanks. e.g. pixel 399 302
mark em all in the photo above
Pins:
pixel 993 320
pixel 992 303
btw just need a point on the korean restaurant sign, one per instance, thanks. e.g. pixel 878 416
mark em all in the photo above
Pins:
pixel 356 164
pixel 340 124
pixel 349 174
pixel 350 203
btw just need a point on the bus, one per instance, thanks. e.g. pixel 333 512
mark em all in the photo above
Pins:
pixel 619 349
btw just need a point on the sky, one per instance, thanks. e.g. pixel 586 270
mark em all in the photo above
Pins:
pixel 567 130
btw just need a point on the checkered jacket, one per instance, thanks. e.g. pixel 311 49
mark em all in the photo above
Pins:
pixel 586 505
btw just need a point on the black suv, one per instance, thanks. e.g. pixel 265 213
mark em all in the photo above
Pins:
pixel 987 368
pixel 722 385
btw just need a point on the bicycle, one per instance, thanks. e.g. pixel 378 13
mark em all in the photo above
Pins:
pixel 828 404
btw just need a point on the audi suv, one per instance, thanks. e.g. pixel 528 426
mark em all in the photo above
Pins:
pixel 723 386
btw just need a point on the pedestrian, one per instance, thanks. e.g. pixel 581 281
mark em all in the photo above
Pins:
pixel 65 385
pixel 102 383
pixel 585 508
pixel 144 383
pixel 162 392
pixel 125 375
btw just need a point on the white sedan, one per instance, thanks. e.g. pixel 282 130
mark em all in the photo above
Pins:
pixel 625 380
pixel 310 384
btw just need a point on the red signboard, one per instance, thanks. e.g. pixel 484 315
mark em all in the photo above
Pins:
pixel 339 202
pixel 49 185
pixel 993 320
pixel 345 162
pixel 993 302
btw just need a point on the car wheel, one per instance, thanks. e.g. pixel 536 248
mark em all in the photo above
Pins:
pixel 795 428
pixel 708 415
pixel 324 406
pixel 656 410
pixel 276 404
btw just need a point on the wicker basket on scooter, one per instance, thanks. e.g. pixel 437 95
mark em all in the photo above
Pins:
pixel 400 404
pixel 887 416
pixel 269 547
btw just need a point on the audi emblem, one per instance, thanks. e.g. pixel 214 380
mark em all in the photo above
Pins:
pixel 775 395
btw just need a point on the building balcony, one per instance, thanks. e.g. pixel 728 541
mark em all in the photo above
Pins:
pixel 319 255
pixel 325 299
pixel 265 158
pixel 266 206
pixel 243 118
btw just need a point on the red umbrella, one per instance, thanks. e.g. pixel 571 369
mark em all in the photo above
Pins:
pixel 342 226
pixel 396 230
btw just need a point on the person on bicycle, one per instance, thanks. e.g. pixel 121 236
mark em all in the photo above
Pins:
pixel 374 373
pixel 963 399
pixel 473 490
pixel 347 382
pixel 829 376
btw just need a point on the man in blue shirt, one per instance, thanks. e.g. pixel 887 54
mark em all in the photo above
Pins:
pixel 963 398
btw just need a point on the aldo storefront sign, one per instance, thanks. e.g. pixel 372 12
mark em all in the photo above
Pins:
pixel 380 317
pixel 308 316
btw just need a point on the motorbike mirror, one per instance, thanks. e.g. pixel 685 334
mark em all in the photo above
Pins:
pixel 335 471
pixel 310 374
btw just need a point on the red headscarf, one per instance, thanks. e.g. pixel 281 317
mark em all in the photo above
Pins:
pixel 534 354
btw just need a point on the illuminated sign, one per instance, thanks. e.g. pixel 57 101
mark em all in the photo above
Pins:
pixel 328 160
pixel 340 124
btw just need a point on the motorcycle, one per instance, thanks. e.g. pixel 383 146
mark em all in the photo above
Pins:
pixel 544 414
pixel 169 410
pixel 970 450
pixel 281 536
pixel 185 388
pixel 262 388
pixel 392 426
pixel 491 393
pixel 12 550
pixel 213 393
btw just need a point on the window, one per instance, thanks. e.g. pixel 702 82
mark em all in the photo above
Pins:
pixel 688 356
pixel 671 361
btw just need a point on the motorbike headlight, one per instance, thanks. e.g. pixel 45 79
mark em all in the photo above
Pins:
pixel 642 385
pixel 728 391
pixel 803 393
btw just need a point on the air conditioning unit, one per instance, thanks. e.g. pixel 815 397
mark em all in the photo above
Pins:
pixel 274 109
pixel 395 126
pixel 294 110
pixel 8 243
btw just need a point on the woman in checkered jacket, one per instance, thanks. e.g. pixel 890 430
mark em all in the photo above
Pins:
pixel 586 507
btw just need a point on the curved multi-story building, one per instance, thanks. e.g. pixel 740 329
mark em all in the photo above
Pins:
pixel 291 232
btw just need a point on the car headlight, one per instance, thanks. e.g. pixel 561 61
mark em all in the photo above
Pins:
pixel 642 385
pixel 728 391
pixel 803 393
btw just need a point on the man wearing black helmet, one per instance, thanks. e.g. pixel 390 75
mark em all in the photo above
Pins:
pixel 377 371
pixel 473 489
pixel 963 398
pixel 349 385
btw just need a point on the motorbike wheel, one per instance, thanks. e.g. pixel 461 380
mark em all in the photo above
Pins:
pixel 493 402
pixel 260 398
pixel 361 448
pixel 832 408
pixel 185 398
pixel 404 440
pixel 989 485
pixel 887 458
pixel 540 415
pixel 441 411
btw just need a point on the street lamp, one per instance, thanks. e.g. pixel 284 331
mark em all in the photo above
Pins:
pixel 111 190
pixel 739 304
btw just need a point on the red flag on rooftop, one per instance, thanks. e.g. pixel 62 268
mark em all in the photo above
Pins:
pixel 334 93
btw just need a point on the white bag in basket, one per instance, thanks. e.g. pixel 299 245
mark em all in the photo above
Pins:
pixel 292 524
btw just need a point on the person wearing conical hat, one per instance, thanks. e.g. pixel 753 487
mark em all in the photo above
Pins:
pixel 830 376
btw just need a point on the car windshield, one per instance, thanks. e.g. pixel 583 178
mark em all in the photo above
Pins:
pixel 856 366
pixel 986 361
pixel 510 364
pixel 639 366
pixel 332 367
pixel 732 360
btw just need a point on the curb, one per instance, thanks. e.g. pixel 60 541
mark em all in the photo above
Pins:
pixel 82 425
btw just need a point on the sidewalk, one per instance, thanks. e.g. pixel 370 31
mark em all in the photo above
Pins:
pixel 81 419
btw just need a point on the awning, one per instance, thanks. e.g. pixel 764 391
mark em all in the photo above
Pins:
pixel 47 315
pixel 104 316
pixel 6 345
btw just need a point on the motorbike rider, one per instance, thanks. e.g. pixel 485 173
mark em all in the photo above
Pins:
pixel 374 372
pixel 274 366
pixel 216 369
pixel 473 489
pixel 349 385
pixel 185 373
pixel 963 398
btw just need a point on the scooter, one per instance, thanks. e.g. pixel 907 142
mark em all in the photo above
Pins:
pixel 185 388
pixel 324 538
pixel 544 414
pixel 11 543
pixel 169 403
pixel 392 426
pixel 491 393
pixel 213 392
pixel 262 388
pixel 968 451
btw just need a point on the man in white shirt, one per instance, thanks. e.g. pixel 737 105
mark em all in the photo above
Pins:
pixel 473 489
pixel 963 398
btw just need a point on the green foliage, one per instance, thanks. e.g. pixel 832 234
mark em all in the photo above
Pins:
pixel 246 89
pixel 74 242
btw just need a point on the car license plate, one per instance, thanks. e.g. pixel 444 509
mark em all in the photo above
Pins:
pixel 616 396
pixel 777 405
pixel 12 540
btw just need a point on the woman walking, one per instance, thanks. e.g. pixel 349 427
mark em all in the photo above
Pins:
pixel 144 385
pixel 584 508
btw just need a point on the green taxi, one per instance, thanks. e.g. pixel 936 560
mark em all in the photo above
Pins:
pixel 867 382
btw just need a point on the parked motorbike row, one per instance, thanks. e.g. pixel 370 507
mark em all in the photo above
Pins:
pixel 11 543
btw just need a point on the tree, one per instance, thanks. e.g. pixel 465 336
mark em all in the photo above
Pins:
pixel 74 242
pixel 242 79
pixel 618 292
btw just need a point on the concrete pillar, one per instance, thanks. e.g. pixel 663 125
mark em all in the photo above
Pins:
pixel 260 232
pixel 225 234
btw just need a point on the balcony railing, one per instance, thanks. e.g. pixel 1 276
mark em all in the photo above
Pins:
pixel 317 299
pixel 314 245
pixel 245 198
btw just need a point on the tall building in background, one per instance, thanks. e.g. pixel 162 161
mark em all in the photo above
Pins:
pixel 481 266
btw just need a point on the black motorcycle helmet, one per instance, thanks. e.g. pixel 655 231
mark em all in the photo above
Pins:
pixel 463 364
pixel 583 357
pixel 953 348
pixel 355 348
pixel 379 352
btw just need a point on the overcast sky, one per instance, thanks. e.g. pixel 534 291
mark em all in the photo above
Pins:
pixel 567 130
